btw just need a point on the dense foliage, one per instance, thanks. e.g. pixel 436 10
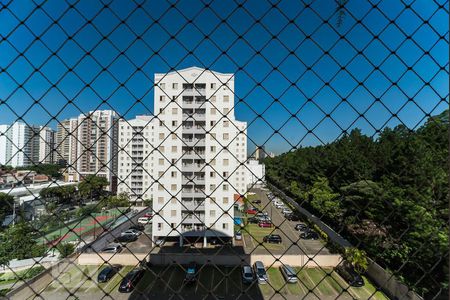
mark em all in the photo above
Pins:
pixel 6 205
pixel 92 186
pixel 52 170
pixel 389 196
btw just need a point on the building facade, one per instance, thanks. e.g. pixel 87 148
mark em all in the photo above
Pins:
pixel 88 144
pixel 19 145
pixel 256 173
pixel 46 145
pixel 199 160
pixel 136 145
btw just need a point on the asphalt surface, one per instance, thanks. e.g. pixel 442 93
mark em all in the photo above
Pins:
pixel 286 229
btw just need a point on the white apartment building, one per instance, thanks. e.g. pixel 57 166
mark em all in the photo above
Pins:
pixel 46 145
pixel 136 145
pixel 199 164
pixel 256 173
pixel 89 145
pixel 19 145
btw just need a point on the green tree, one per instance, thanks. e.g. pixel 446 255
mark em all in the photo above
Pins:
pixel 6 205
pixel 324 200
pixel 92 186
pixel 121 200
pixel 65 249
pixel 357 258
pixel 19 242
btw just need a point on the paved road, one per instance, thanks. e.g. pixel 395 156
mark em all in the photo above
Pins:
pixel 291 237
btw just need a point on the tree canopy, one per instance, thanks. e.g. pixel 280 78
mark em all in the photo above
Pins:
pixel 389 193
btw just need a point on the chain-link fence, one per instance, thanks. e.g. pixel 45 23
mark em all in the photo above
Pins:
pixel 224 149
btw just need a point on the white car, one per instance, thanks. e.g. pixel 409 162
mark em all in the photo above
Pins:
pixel 279 205
pixel 144 220
pixel 131 231
pixel 286 211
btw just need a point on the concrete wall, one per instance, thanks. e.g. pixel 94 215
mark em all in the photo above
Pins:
pixel 389 284
pixel 32 287
pixel 324 261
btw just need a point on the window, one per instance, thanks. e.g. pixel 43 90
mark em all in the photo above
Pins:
pixel 174 136
pixel 161 174
pixel 225 174
pixel 161 148
pixel 162 98
pixel 173 174
pixel 160 200
pixel 160 187
pixel 212 213
pixel 174 86
pixel 174 111
pixel 161 161
pixel 212 187
pixel 225 111
pixel 173 213
pixel 225 187
pixel 213 99
pixel 161 111
pixel 162 86
pixel 173 200
pixel 212 123
pixel 173 187
pixel 225 226
pixel 213 149
pixel 160 226
pixel 173 225
pixel 225 162
pixel 226 98
pixel 213 86
pixel 161 136
pixel 226 123
pixel 174 149
pixel 213 111
pixel 225 136
pixel 225 200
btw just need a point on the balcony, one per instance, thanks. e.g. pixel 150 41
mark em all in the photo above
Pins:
pixel 194 155
pixel 194 180
pixel 193 219
pixel 193 205
pixel 193 193
pixel 194 142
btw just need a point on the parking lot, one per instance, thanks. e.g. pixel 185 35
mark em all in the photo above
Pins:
pixel 167 282
pixel 291 242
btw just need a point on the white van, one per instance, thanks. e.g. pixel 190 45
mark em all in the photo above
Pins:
pixel 289 274
pixel 260 272
pixel 144 220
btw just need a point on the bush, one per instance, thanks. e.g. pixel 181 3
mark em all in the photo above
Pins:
pixel 65 249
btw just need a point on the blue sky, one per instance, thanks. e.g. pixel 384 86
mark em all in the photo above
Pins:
pixel 304 63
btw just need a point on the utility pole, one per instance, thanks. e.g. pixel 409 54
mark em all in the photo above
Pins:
pixel 14 213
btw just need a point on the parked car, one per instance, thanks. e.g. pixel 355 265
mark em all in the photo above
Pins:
pixel 191 273
pixel 350 275
pixel 278 204
pixel 126 238
pixel 144 220
pixel 247 275
pixel 138 226
pixel 260 272
pixel 265 224
pixel 264 219
pixel 272 239
pixel 293 217
pixel 301 227
pixel 253 220
pixel 112 249
pixel 252 211
pixel 238 235
pixel 131 231
pixel 256 201
pixel 262 214
pixel 130 280
pixel 286 211
pixel 309 235
pixel 159 242
pixel 289 274
pixel 148 215
pixel 107 273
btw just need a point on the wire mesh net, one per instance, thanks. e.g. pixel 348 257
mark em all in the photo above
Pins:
pixel 224 149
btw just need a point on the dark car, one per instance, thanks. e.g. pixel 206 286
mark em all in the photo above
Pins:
pixel 191 273
pixel 247 275
pixel 126 238
pixel 253 220
pixel 130 281
pixel 301 227
pixel 107 273
pixel 256 201
pixel 138 226
pixel 350 275
pixel 309 235
pixel 293 217
pixel 272 238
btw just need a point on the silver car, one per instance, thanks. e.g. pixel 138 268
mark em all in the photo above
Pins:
pixel 260 272
pixel 289 274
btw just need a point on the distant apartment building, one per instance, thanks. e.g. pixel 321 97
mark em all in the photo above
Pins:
pixel 89 145
pixel 46 145
pixel 19 145
pixel 260 152
pixel 201 149
pixel 256 173
pixel 136 145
